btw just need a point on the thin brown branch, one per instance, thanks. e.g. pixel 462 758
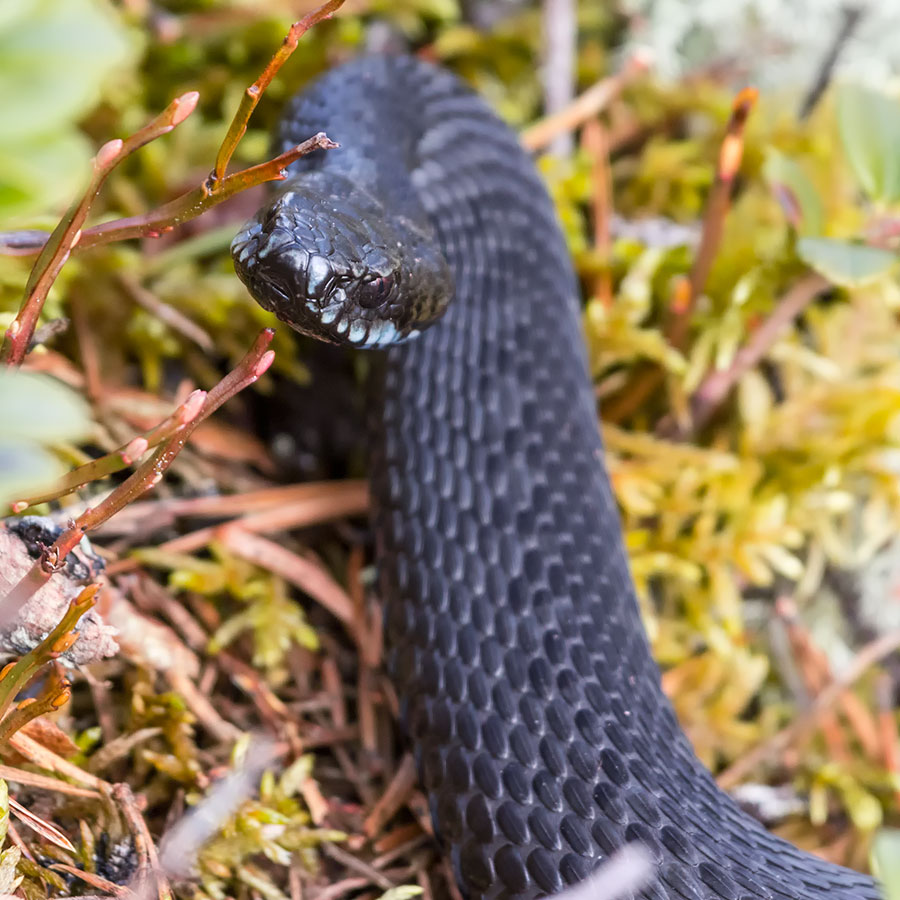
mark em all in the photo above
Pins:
pixel 68 232
pixel 871 654
pixel 172 317
pixel 187 206
pixel 94 880
pixel 45 783
pixel 41 826
pixel 122 457
pixel 145 849
pixel 41 756
pixel 200 199
pixel 713 390
pixel 594 140
pixel 146 476
pixel 309 577
pixel 887 730
pixel 394 797
pixel 350 498
pixel 253 93
pixel 717 206
pixel 586 105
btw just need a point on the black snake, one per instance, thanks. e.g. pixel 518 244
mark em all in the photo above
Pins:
pixel 542 736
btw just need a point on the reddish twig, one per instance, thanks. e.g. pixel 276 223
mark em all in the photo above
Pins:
pixel 188 206
pixel 200 199
pixel 887 729
pixel 238 126
pixel 146 476
pixel 871 654
pixel 394 797
pixel 717 205
pixel 67 234
pixel 718 384
pixel 16 675
pixel 123 457
pixel 584 106
pixel 595 141
pixel 686 292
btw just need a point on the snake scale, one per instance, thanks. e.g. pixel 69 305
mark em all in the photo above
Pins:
pixel 541 733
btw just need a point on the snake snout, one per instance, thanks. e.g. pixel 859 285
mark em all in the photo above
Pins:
pixel 332 262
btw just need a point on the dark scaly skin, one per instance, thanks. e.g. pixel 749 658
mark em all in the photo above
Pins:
pixel 542 735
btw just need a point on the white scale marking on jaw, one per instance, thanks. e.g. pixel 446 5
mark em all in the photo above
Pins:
pixel 317 272
pixel 382 333
pixel 357 332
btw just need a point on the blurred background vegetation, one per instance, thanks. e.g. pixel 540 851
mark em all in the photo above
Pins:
pixel 750 411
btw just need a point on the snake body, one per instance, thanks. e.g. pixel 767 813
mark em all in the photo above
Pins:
pixel 541 733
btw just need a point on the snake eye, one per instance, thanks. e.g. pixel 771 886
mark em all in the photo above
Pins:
pixel 371 294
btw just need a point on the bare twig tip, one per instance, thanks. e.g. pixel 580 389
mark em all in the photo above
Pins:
pixel 184 106
pixel 134 449
pixel 265 361
pixel 641 60
pixel 87 597
pixel 62 698
pixel 107 154
pixel 191 407
pixel 746 99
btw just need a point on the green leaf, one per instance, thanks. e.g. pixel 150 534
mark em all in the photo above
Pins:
pixel 38 172
pixel 55 58
pixel 35 410
pixel 869 123
pixel 886 861
pixel 25 468
pixel 843 262
pixel 40 408
pixel 796 193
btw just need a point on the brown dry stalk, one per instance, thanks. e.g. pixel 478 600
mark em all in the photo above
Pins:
pixel 717 206
pixel 45 782
pixel 350 498
pixel 871 654
pixel 586 105
pixel 308 576
pixel 40 756
pixel 253 93
pixel 394 797
pixel 686 291
pixel 717 385
pixel 144 848
pixel 146 476
pixel 68 232
pixel 595 141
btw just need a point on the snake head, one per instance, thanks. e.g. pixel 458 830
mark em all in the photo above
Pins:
pixel 326 257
